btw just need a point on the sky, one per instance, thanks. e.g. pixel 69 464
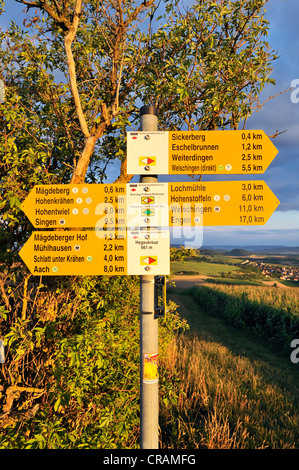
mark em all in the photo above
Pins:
pixel 278 114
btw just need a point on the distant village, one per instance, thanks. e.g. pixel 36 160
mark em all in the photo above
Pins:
pixel 286 273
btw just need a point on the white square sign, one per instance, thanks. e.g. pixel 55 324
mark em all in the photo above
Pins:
pixel 148 252
pixel 147 153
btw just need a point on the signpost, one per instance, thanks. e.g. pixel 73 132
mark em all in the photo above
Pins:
pixel 131 221
pixel 150 205
pixel 149 322
pixel 199 152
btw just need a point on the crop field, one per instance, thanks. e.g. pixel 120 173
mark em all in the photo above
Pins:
pixel 284 299
pixel 269 312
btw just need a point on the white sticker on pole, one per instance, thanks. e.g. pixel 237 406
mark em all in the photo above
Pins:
pixel 148 252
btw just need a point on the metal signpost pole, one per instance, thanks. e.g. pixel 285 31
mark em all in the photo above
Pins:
pixel 149 403
pixel 2 92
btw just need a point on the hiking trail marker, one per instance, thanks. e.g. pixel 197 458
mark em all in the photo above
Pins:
pixel 199 152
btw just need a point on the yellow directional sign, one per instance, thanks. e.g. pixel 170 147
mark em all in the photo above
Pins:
pixel 198 204
pixel 134 205
pixel 76 205
pixel 220 203
pixel 69 253
pixel 199 152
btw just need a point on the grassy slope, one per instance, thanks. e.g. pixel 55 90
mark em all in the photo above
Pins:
pixel 235 392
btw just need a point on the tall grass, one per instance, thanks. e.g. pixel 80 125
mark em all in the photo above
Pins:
pixel 224 401
pixel 244 396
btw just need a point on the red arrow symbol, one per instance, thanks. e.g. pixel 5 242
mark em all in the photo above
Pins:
pixel 149 260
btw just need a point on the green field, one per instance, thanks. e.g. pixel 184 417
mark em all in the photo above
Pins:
pixel 201 267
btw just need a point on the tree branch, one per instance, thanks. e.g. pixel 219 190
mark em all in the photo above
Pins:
pixel 69 37
pixel 61 20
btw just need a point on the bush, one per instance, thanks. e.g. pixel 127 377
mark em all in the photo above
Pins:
pixel 71 377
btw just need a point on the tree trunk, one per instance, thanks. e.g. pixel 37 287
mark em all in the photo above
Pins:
pixel 83 162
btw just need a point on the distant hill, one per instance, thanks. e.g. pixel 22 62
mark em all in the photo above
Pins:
pixel 239 252
pixel 217 251
pixel 279 250
pixel 255 249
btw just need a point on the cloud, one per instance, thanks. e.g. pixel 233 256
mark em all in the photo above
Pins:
pixel 251 237
pixel 283 17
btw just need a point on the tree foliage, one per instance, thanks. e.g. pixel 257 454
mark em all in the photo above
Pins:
pixel 76 73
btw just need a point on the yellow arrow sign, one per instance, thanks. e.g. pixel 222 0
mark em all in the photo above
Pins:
pixel 69 253
pixel 76 205
pixel 198 204
pixel 220 203
pixel 200 152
